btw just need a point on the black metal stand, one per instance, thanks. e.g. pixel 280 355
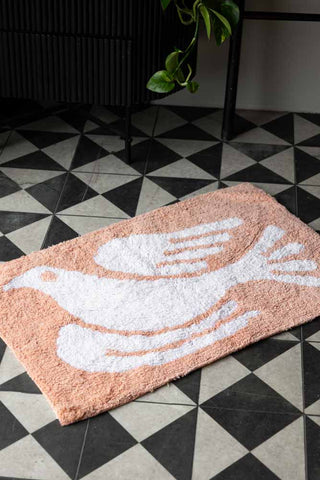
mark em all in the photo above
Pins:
pixel 228 129
pixel 232 78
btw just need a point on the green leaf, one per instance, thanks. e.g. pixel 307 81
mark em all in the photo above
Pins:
pixel 165 3
pixel 206 18
pixel 230 11
pixel 192 86
pixel 161 82
pixel 222 20
pixel 172 61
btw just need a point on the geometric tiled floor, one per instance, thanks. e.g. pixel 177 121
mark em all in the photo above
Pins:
pixel 254 415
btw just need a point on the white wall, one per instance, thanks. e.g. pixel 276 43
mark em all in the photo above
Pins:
pixel 280 63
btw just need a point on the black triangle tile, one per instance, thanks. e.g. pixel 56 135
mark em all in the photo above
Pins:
pixel 251 394
pixel 139 154
pixel 13 109
pixel 311 142
pixel 7 186
pixel 311 362
pixel 179 187
pixel 119 127
pixel 44 139
pixel 191 114
pixel 282 127
pixel 35 160
pixel 257 354
pixel 160 156
pixel 21 383
pixel 306 165
pixel 58 232
pixel 173 445
pixel 311 328
pixel 311 117
pixel 63 443
pixel 74 192
pixel 48 192
pixel 187 132
pixel 8 251
pixel 242 125
pixel 87 151
pixel 288 199
pixel 11 429
pixel 10 221
pixel 209 159
pixel 313 448
pixel 77 118
pixel 190 385
pixel 2 348
pixel 258 151
pixel 126 197
pixel 247 468
pixel 256 173
pixel 308 206
pixel 250 428
pixel 105 440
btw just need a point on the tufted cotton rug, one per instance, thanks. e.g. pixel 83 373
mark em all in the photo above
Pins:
pixel 102 319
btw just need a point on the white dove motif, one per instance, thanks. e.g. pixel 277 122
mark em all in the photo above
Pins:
pixel 166 301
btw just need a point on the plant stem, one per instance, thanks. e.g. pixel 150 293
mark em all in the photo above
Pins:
pixel 190 46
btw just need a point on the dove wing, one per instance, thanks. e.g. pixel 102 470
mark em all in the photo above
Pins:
pixel 166 254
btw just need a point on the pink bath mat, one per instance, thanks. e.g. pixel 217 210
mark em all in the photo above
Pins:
pixel 102 319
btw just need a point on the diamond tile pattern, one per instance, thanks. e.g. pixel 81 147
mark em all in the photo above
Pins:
pixel 253 415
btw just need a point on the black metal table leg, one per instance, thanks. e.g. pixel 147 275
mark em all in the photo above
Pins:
pixel 232 78
pixel 127 137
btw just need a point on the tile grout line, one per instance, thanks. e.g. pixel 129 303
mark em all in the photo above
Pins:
pixel 82 449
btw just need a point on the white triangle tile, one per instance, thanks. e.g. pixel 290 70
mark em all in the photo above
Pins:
pixel 50 124
pixel 304 129
pixel 97 206
pixel 283 453
pixel 316 420
pixel 282 164
pixel 215 449
pixel 233 161
pixel 315 345
pixel 315 337
pixel 142 420
pixel 167 394
pixel 285 336
pixel 10 367
pixel 152 196
pixel 315 180
pixel 207 189
pixel 135 463
pixel 313 151
pixel 167 120
pixel 185 148
pixel 314 408
pixel 271 188
pixel 16 146
pixel 63 152
pixel 103 114
pixel 83 225
pixel 314 190
pixel 30 238
pixel 145 120
pixel 27 458
pixel 31 409
pixel 315 224
pixel 89 126
pixel 220 375
pixel 182 169
pixel 211 124
pixel 108 164
pixel 283 374
pixel 259 117
pixel 112 143
pixel 101 183
pixel 259 135
pixel 26 177
pixel 21 201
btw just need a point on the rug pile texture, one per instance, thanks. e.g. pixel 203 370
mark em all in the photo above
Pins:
pixel 100 320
